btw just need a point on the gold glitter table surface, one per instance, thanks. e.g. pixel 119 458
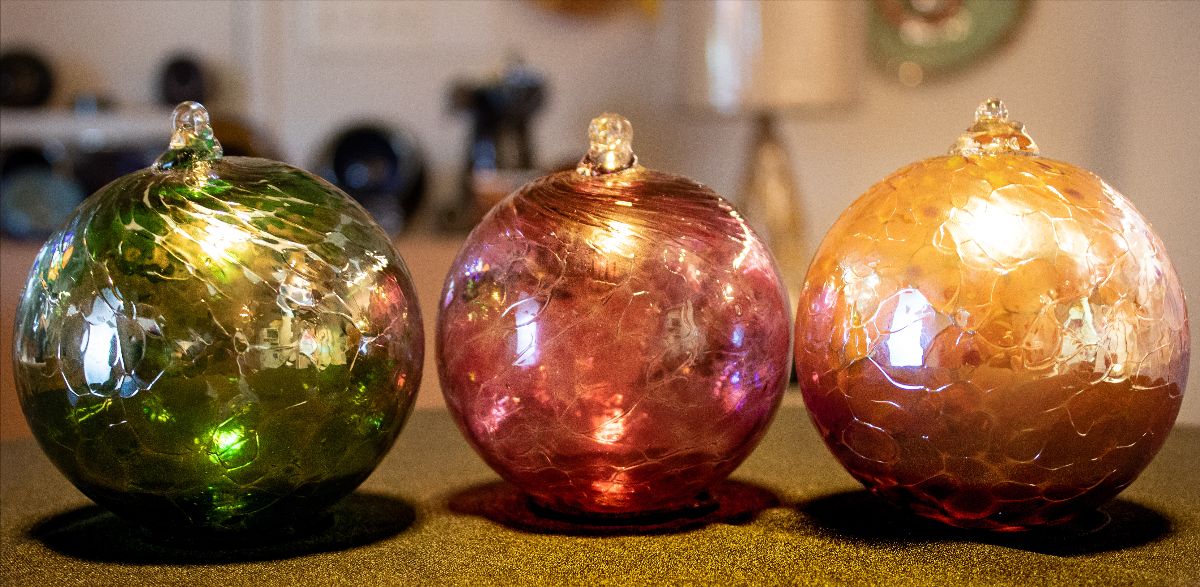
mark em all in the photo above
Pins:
pixel 434 514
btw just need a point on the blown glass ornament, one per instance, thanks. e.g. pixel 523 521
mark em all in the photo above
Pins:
pixel 991 338
pixel 613 340
pixel 217 343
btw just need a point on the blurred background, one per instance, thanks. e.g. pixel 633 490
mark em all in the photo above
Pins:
pixel 428 112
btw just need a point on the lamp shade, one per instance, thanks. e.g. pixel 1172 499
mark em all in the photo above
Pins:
pixel 756 55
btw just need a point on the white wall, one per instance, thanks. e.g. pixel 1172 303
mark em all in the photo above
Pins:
pixel 1111 86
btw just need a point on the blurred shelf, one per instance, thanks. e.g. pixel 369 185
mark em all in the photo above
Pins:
pixel 67 126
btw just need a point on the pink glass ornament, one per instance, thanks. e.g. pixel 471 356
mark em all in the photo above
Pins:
pixel 613 340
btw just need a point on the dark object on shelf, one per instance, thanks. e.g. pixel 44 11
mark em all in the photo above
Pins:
pixel 95 169
pixel 240 138
pixel 26 80
pixel 382 168
pixel 22 157
pixel 181 79
pixel 34 200
pixel 500 155
pixel 87 104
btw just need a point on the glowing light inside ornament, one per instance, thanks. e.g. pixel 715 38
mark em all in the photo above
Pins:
pixel 618 238
pixel 612 430
pixel 997 232
pixel 232 446
pixel 226 440
pixel 219 238
pixel 611 146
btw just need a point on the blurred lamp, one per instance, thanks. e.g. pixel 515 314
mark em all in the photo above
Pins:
pixel 766 59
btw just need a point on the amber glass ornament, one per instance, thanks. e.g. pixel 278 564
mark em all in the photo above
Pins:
pixel 613 340
pixel 991 338
pixel 220 344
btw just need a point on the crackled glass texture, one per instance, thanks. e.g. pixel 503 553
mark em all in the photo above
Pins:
pixel 991 338
pixel 217 344
pixel 613 340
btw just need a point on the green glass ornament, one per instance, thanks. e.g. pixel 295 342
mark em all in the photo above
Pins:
pixel 217 343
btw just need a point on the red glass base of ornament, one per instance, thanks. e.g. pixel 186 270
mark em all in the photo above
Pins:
pixel 727 502
pixel 699 506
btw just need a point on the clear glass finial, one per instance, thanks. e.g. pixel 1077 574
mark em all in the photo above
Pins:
pixel 611 146
pixel 993 133
pixel 192 140
pixel 992 108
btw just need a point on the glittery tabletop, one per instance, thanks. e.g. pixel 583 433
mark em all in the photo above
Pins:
pixel 434 514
